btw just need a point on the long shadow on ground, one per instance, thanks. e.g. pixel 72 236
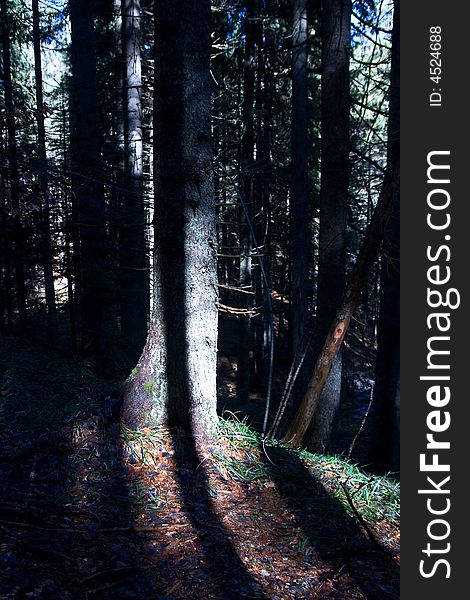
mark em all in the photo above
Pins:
pixel 222 564
pixel 337 539
pixel 66 515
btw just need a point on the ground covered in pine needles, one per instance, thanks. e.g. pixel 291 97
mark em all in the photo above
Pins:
pixel 89 509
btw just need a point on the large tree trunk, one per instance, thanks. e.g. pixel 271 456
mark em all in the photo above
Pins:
pixel 134 288
pixel 89 239
pixel 341 320
pixel 47 254
pixel 299 204
pixel 175 379
pixel 385 420
pixel 13 173
pixel 335 107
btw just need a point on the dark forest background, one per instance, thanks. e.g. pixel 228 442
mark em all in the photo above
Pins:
pixel 199 299
pixel 301 123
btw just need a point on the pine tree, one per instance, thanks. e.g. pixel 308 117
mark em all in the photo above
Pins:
pixel 175 378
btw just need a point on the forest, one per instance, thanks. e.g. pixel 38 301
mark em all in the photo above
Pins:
pixel 199 299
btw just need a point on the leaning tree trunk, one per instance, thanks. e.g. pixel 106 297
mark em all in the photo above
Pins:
pixel 385 432
pixel 335 107
pixel 341 320
pixel 175 379
pixel 367 254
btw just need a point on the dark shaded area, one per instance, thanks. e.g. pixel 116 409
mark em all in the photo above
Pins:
pixel 334 535
pixel 74 519
pixel 66 515
pixel 222 562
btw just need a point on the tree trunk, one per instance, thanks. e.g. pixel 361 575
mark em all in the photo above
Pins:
pixel 69 266
pixel 6 320
pixel 175 379
pixel 266 198
pixel 385 420
pixel 335 107
pixel 340 323
pixel 89 237
pixel 246 190
pixel 14 177
pixel 43 186
pixel 299 205
pixel 134 286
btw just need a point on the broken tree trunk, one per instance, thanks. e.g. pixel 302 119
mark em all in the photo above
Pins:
pixel 340 324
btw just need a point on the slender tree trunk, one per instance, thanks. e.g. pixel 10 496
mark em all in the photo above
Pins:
pixel 88 197
pixel 43 185
pixel 69 263
pixel 385 421
pixel 175 379
pixel 246 189
pixel 263 323
pixel 299 205
pixel 266 193
pixel 6 319
pixel 133 257
pixel 14 177
pixel 380 221
pixel 342 318
pixel 335 107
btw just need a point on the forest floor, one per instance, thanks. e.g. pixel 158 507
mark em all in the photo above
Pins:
pixel 90 510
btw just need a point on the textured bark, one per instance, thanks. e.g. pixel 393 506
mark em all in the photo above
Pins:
pixel 134 285
pixel 6 300
pixel 88 212
pixel 47 254
pixel 264 105
pixel 175 379
pixel 340 322
pixel 246 190
pixel 13 173
pixel 299 205
pixel 335 107
pixel 385 410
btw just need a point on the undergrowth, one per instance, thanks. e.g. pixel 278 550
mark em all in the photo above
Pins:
pixel 239 453
pixel 41 390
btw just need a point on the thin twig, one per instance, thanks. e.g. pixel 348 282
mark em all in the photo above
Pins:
pixel 105 573
pixel 359 517
pixel 291 379
pixel 351 447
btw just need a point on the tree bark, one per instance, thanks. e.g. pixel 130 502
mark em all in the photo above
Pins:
pixel 134 286
pixel 299 205
pixel 43 184
pixel 14 177
pixel 340 323
pixel 385 409
pixel 175 379
pixel 246 190
pixel 88 211
pixel 335 167
pixel 6 303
